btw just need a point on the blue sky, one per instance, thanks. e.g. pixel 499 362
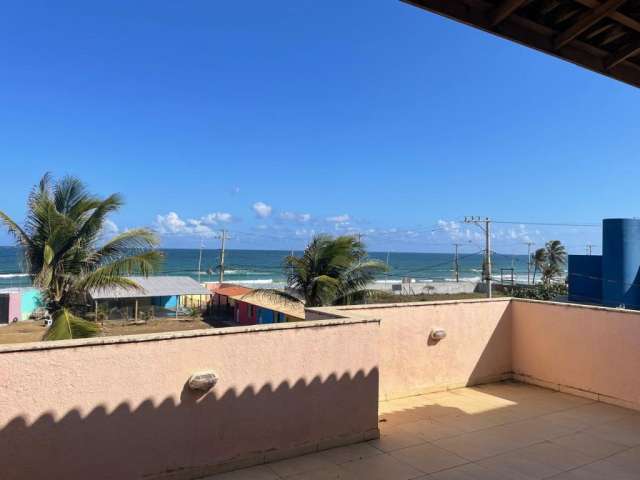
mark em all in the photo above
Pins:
pixel 279 119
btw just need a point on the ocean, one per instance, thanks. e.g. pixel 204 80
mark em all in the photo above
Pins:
pixel 263 268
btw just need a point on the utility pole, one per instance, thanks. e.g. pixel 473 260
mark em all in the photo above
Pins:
pixel 456 265
pixel 223 238
pixel 589 247
pixel 529 262
pixel 487 246
pixel 200 260
pixel 290 270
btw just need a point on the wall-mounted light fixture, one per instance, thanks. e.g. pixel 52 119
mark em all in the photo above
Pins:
pixel 437 334
pixel 202 381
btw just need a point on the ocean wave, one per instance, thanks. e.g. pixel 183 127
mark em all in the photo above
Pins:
pixel 13 275
pixel 261 281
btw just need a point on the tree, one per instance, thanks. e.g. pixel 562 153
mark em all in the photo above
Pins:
pixel 539 259
pixel 550 261
pixel 60 240
pixel 331 271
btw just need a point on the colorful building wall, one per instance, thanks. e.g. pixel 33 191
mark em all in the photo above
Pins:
pixel 10 307
pixel 166 302
pixel 585 278
pixel 30 300
pixel 621 262
pixel 612 279
pixel 265 316
pixel 14 307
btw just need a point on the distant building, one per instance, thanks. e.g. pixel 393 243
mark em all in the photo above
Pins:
pixel 248 307
pixel 157 294
pixel 613 278
pixel 18 304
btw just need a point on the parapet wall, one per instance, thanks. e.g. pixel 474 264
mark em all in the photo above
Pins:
pixel 583 350
pixel 477 348
pixel 119 408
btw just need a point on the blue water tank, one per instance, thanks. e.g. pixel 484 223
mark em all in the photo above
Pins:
pixel 621 262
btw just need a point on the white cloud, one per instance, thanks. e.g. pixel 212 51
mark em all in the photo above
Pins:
pixel 344 218
pixel 216 217
pixel 110 228
pixel 295 217
pixel 235 190
pixel 172 224
pixel 262 210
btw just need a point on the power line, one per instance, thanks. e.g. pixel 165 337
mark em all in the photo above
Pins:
pixel 550 224
pixel 487 246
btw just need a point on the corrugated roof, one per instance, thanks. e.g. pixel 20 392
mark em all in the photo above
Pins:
pixel 230 290
pixel 259 299
pixel 153 287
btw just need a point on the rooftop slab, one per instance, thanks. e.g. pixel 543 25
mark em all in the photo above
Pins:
pixel 504 430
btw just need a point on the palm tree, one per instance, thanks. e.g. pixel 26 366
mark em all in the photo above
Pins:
pixel 331 271
pixel 539 259
pixel 550 261
pixel 556 259
pixel 60 239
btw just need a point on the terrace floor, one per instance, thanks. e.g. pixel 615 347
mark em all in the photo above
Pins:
pixel 496 431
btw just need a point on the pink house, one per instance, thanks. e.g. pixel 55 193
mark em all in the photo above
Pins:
pixel 10 309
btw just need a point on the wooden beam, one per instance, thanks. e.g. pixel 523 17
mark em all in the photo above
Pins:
pixel 600 30
pixel 506 8
pixel 531 34
pixel 613 36
pixel 587 20
pixel 626 52
pixel 614 15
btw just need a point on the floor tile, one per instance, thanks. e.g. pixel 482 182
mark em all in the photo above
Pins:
pixel 629 459
pixel 557 456
pixel 625 431
pixel 395 439
pixel 350 453
pixel 478 445
pixel 382 467
pixel 305 463
pixel 428 458
pixel 590 445
pixel 600 470
pixel 335 472
pixel 261 472
pixel 598 413
pixel 469 471
pixel 517 466
pixel 431 429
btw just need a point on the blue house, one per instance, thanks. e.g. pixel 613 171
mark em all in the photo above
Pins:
pixel 162 295
pixel 613 278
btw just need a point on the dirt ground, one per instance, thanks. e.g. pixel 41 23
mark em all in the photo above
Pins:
pixel 31 331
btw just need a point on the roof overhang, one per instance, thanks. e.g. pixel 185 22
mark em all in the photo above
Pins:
pixel 603 36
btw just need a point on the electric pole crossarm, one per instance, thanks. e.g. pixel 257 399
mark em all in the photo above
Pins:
pixel 487 246
pixel 223 238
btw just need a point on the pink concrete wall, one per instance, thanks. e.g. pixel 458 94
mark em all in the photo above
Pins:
pixel 477 348
pixel 15 309
pixel 589 349
pixel 120 410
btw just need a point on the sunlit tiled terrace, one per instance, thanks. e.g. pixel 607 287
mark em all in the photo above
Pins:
pixel 497 431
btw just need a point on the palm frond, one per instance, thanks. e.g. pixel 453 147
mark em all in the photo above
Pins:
pixel 67 326
pixel 14 229
pixel 273 295
pixel 114 273
pixel 125 243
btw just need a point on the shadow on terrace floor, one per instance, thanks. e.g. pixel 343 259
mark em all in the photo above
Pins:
pixel 493 432
pixel 184 437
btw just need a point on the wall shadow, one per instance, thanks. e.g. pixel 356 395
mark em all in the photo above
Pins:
pixel 186 437
pixel 497 352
